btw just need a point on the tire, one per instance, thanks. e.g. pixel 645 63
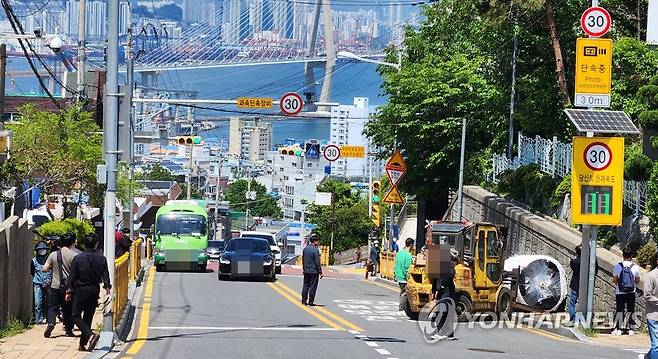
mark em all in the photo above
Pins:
pixel 202 268
pixel 159 268
pixel 504 303
pixel 407 309
pixel 464 307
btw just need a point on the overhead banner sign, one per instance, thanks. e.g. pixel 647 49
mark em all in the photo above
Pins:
pixel 352 151
pixel 593 72
pixel 597 183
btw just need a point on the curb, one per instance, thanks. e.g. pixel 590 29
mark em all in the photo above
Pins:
pixel 565 332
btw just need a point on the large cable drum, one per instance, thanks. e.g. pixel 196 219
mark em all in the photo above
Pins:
pixel 542 281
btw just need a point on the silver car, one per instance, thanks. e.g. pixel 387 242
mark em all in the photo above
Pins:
pixel 215 249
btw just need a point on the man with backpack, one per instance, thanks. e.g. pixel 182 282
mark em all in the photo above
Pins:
pixel 625 276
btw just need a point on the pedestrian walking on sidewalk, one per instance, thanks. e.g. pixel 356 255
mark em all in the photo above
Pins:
pixel 40 282
pixel 123 244
pixel 651 309
pixel 312 270
pixel 59 262
pixel 625 276
pixel 374 257
pixel 88 270
pixel 403 261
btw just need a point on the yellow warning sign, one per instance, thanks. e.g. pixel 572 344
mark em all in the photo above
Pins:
pixel 593 66
pixel 396 162
pixel 393 196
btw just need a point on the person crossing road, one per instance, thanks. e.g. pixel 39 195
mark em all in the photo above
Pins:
pixel 312 270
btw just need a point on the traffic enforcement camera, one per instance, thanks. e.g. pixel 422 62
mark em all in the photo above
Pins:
pixel 376 218
pixel 189 140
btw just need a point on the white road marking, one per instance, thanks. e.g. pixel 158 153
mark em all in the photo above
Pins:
pixel 353 332
pixel 371 344
pixel 383 351
pixel 323 278
pixel 246 328
pixel 638 351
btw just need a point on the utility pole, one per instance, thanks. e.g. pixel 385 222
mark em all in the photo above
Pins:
pixel 248 198
pixel 110 127
pixel 460 191
pixel 301 201
pixel 219 174
pixel 82 44
pixel 3 72
pixel 128 122
pixel 510 144
pixel 189 177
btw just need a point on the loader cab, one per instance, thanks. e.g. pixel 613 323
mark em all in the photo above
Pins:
pixel 488 255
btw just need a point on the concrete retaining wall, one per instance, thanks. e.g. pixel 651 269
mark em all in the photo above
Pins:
pixel 530 233
pixel 16 250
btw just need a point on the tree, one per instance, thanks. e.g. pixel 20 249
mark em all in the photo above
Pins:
pixel 157 173
pixel 58 151
pixel 348 217
pixel 263 206
pixel 126 185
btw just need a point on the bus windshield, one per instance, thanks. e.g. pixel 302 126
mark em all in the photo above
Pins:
pixel 180 223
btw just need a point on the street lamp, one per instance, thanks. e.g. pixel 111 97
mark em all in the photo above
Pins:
pixel 354 56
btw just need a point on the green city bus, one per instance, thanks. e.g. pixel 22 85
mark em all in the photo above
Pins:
pixel 181 236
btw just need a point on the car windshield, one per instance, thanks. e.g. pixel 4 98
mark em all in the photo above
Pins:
pixel 181 224
pixel 249 245
pixel 266 237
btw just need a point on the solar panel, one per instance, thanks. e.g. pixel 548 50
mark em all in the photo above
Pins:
pixel 602 121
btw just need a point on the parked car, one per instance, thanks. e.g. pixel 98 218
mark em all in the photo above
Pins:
pixel 271 240
pixel 247 257
pixel 215 249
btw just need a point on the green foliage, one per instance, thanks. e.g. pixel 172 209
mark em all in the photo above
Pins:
pixel 530 185
pixel 652 201
pixel 637 166
pixel 157 173
pixel 263 206
pixel 195 192
pixel 562 189
pixel 61 149
pixel 607 236
pixel 126 185
pixel 348 217
pixel 60 227
pixel 646 255
pixel 13 326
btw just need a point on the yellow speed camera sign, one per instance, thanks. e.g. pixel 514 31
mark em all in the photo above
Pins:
pixel 597 184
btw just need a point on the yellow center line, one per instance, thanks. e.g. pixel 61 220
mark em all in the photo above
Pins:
pixel 297 303
pixel 397 290
pixel 324 311
pixel 143 331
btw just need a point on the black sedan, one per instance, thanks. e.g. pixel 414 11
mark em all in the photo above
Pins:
pixel 247 257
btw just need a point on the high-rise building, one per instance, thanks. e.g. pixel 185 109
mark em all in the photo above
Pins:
pixel 347 124
pixel 250 139
pixel 124 17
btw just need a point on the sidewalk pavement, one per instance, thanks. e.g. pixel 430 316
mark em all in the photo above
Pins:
pixel 32 344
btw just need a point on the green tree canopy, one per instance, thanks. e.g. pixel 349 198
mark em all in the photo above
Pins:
pixel 263 206
pixel 348 217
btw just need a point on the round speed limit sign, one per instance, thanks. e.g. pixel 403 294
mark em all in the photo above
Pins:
pixel 291 104
pixel 598 156
pixel 331 153
pixel 595 21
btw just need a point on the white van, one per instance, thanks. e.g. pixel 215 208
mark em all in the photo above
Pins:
pixel 274 246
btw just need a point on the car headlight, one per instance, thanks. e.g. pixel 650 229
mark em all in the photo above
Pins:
pixel 267 261
pixel 223 260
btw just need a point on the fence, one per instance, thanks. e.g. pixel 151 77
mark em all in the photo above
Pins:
pixel 324 257
pixel 135 258
pixel 16 250
pixel 121 277
pixel 387 264
pixel 554 158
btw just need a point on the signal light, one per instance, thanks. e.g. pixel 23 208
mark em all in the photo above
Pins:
pixel 376 218
pixel 189 140
pixel 291 151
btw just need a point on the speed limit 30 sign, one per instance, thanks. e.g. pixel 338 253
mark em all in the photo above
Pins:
pixel 291 104
pixel 331 153
pixel 597 181
pixel 595 21
pixel 598 156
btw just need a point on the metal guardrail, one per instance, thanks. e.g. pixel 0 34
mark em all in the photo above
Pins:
pixel 387 265
pixel 135 258
pixel 324 257
pixel 121 278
